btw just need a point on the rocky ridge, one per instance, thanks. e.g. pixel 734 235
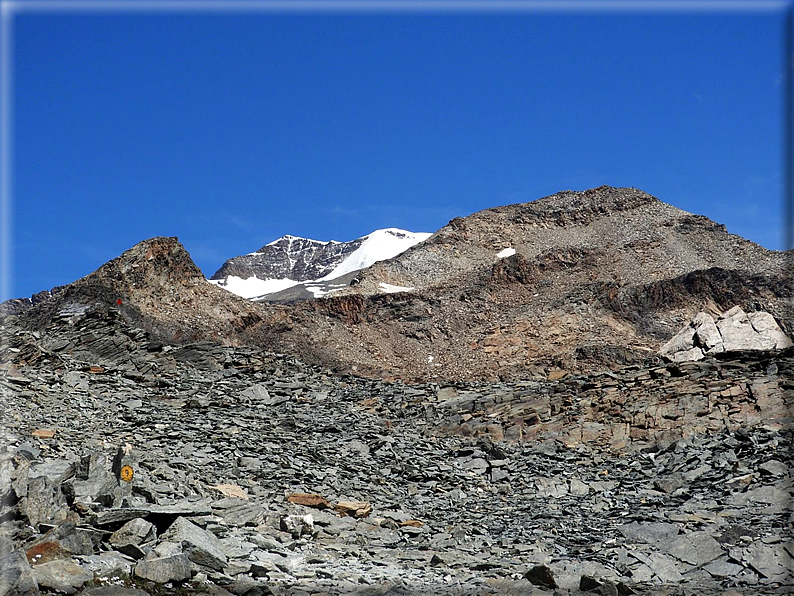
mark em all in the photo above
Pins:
pixel 606 234
pixel 299 259
pixel 202 467
pixel 578 281
pixel 156 286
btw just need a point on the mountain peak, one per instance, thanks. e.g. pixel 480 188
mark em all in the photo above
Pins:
pixel 292 260
pixel 161 262
pixel 155 285
pixel 289 240
pixel 578 280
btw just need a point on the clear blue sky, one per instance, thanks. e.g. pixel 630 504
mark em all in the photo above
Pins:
pixel 229 131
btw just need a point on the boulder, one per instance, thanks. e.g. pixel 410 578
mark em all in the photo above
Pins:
pixel 16 575
pixel 164 569
pixel 136 531
pixel 43 502
pixel 201 547
pixel 61 575
pixel 734 330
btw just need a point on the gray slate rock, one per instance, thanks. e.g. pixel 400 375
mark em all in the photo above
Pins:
pixel 722 567
pixel 648 532
pixel 775 467
pixel 113 591
pixel 55 470
pixel 136 531
pixel 236 512
pixel 201 547
pixel 78 541
pixel 164 569
pixel 771 561
pixel 108 564
pixel 697 548
pixel 61 575
pixel 664 568
pixel 16 575
pixel 43 501
pixel 669 484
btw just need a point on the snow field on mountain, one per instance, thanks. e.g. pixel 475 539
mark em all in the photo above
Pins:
pixel 378 246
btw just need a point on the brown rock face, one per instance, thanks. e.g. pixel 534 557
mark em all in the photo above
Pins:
pixel 599 279
pixel 155 285
pixel 309 500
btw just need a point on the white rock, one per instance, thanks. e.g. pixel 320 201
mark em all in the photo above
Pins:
pixel 767 327
pixel 682 341
pixel 706 332
pixel 734 330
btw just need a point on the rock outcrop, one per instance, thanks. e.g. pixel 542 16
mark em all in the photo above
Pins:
pixel 734 330
pixel 155 285
pixel 580 281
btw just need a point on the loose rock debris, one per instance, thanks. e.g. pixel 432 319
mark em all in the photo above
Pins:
pixel 668 480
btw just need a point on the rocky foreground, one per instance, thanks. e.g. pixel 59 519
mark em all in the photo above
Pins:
pixel 129 466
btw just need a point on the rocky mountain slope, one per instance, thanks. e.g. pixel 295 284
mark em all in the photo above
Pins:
pixel 130 467
pixel 523 436
pixel 576 282
pixel 156 286
pixel 313 265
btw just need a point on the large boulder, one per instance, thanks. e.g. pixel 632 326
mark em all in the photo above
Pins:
pixel 734 330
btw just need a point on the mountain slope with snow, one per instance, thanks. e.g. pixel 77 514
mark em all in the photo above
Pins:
pixel 291 261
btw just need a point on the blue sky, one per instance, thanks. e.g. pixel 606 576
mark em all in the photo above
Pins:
pixel 229 130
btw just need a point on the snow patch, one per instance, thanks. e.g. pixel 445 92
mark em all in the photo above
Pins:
pixel 507 252
pixel 380 245
pixel 318 291
pixel 251 287
pixel 390 289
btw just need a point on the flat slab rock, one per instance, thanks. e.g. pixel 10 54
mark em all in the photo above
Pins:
pixel 164 569
pixel 61 575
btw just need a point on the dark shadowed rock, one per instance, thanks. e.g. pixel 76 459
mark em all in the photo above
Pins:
pixel 16 575
pixel 540 575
